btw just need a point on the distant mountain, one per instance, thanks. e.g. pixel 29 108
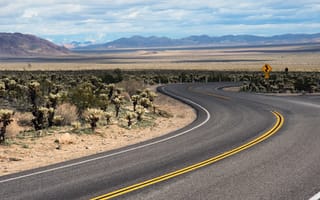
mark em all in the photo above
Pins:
pixel 17 44
pixel 205 40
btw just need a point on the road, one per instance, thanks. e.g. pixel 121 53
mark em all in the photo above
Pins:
pixel 284 166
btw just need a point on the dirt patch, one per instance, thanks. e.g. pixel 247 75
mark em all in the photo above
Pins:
pixel 58 146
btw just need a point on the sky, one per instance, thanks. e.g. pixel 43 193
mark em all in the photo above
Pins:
pixel 99 21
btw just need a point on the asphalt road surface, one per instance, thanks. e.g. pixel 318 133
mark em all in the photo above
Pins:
pixel 284 166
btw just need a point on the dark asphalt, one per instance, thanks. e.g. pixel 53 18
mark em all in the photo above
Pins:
pixel 286 166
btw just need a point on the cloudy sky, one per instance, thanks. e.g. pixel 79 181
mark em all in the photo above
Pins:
pixel 99 21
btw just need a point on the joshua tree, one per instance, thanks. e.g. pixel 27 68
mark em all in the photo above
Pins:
pixel 5 119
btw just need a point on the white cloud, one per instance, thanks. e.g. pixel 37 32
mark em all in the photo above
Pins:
pixel 102 19
pixel 29 13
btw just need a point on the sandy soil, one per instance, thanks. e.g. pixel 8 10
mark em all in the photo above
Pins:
pixel 31 153
pixel 239 59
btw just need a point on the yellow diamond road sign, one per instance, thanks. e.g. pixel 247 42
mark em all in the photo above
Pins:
pixel 266 68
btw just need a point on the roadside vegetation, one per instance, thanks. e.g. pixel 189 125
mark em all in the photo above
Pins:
pixel 82 101
pixel 73 102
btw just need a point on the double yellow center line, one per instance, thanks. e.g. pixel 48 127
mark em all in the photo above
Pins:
pixel 209 94
pixel 278 124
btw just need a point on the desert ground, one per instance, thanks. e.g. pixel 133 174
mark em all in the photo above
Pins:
pixel 295 57
pixel 27 153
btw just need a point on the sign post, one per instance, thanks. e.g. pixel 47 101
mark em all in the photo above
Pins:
pixel 266 69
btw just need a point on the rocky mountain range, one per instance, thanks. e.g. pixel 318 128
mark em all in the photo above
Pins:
pixel 17 44
pixel 205 40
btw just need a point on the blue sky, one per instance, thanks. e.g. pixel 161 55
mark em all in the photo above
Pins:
pixel 63 21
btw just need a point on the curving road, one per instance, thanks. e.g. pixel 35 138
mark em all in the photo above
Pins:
pixel 284 166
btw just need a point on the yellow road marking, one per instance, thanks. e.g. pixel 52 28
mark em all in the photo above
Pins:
pixel 269 133
pixel 209 94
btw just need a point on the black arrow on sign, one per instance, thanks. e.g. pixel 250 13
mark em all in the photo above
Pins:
pixel 266 68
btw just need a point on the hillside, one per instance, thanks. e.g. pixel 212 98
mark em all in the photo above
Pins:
pixel 205 40
pixel 17 44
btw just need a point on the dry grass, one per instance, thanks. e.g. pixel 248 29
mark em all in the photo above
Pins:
pixel 13 129
pixel 131 86
pixel 23 119
pixel 68 112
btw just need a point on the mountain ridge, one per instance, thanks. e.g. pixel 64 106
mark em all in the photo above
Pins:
pixel 18 44
pixel 137 41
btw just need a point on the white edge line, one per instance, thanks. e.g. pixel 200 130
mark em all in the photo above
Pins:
pixel 315 197
pixel 124 151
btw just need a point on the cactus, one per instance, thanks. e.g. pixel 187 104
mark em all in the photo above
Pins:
pixel 108 116
pixel 111 88
pixel 139 111
pixel 103 102
pixel 93 116
pixel 130 116
pixel 145 102
pixel 34 92
pixel 5 119
pixel 135 100
pixel 117 101
pixel 40 120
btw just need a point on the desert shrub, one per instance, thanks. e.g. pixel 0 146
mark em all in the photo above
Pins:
pixel 103 102
pixel 68 112
pixel 126 96
pixel 83 97
pixel 24 119
pixel 76 125
pixel 13 129
pixel 112 77
pixel 164 114
pixel 131 86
